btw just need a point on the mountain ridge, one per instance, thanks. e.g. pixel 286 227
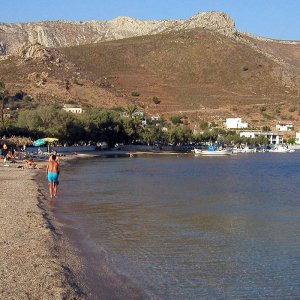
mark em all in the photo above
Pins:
pixel 71 33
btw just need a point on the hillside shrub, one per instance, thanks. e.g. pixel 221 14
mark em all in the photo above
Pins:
pixel 291 140
pixel 135 94
pixel 155 100
pixel 204 125
pixel 267 116
pixel 27 98
pixel 266 128
pixel 292 109
pixel 71 102
pixel 263 108
pixel 176 120
pixel 19 95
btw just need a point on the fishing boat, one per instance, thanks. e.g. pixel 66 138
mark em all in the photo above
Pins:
pixel 213 151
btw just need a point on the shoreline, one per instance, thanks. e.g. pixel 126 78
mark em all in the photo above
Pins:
pixel 90 272
pixel 32 265
pixel 37 259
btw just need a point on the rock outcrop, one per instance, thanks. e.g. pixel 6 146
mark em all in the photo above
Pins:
pixel 35 51
pixel 217 21
pixel 65 33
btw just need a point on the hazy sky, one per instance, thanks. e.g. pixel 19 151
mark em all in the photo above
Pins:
pixel 279 19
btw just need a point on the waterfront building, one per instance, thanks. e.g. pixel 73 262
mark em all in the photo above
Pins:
pixel 235 123
pixel 273 137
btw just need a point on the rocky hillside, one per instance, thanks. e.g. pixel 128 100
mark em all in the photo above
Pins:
pixel 48 77
pixel 188 70
pixel 65 33
pixel 201 68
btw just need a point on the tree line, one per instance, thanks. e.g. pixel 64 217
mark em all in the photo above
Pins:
pixel 97 125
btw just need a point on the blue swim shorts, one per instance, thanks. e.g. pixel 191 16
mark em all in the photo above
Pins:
pixel 52 177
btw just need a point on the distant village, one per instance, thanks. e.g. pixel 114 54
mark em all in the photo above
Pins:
pixel 274 137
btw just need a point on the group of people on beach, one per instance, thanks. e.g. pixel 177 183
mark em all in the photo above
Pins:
pixel 52 168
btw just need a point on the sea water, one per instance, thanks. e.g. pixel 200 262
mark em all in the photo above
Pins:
pixel 186 227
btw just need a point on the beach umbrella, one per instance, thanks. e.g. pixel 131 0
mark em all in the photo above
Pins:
pixel 39 142
pixel 50 139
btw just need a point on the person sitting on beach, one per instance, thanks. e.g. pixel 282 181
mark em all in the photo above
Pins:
pixel 52 171
pixel 30 164
pixel 8 154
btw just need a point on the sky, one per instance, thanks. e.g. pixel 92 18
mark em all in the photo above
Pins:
pixel 277 19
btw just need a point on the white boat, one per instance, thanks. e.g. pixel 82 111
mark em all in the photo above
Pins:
pixel 236 149
pixel 245 149
pixel 213 151
pixel 281 149
pixel 248 149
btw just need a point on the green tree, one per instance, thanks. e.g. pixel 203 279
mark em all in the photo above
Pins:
pixel 179 135
pixel 261 140
pixel 131 109
pixel 153 134
pixel 3 95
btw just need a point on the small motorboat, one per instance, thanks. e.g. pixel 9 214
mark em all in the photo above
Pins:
pixel 213 151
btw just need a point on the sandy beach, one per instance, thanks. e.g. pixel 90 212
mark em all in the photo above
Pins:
pixel 31 265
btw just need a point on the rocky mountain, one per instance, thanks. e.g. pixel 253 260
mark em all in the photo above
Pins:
pixel 200 68
pixel 66 33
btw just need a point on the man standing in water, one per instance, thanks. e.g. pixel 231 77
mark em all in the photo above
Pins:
pixel 52 171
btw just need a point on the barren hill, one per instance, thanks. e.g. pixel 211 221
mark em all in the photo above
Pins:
pixel 201 67
pixel 188 70
pixel 47 76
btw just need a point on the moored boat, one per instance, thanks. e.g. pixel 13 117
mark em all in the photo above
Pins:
pixel 213 151
pixel 281 149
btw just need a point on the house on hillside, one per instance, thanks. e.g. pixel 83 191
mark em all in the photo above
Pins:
pixel 284 126
pixel 235 123
pixel 138 114
pixel 155 117
pixel 125 114
pixel 273 137
pixel 72 108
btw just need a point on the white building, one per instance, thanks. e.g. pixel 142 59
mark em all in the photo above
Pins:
pixel 155 118
pixel 297 138
pixel 138 114
pixel 235 123
pixel 284 127
pixel 72 109
pixel 273 137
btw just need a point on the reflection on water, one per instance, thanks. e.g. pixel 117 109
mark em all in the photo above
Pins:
pixel 192 228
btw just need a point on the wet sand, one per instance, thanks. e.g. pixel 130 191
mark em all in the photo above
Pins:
pixel 31 263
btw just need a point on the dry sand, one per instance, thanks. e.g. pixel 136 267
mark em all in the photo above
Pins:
pixel 30 263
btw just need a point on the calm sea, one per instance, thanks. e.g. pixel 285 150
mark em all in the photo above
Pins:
pixel 185 227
